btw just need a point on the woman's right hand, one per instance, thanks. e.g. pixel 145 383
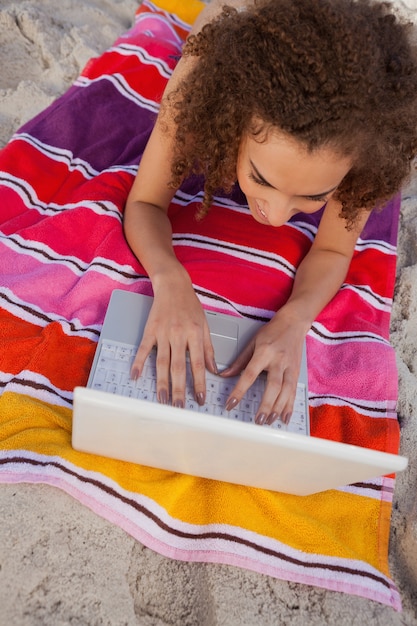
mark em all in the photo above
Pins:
pixel 177 324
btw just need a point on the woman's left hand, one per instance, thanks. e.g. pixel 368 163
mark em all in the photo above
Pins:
pixel 277 349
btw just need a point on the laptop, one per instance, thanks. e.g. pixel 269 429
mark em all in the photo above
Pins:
pixel 119 418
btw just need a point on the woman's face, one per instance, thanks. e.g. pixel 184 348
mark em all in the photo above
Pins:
pixel 281 178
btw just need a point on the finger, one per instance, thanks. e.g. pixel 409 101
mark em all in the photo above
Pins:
pixel 163 359
pixel 209 355
pixel 284 410
pixel 198 370
pixel 283 406
pixel 246 380
pixel 240 362
pixel 142 354
pixel 178 373
pixel 278 398
pixel 269 407
pixel 201 355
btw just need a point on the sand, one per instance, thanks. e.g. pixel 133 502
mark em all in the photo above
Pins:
pixel 60 563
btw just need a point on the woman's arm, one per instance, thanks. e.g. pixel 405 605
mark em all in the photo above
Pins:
pixel 176 322
pixel 277 348
pixel 148 201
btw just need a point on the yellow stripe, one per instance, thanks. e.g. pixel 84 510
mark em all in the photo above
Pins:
pixel 186 10
pixel 331 523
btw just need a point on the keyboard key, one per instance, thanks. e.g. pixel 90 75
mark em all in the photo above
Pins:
pixel 108 350
pixel 100 375
pixel 113 375
pixel 130 392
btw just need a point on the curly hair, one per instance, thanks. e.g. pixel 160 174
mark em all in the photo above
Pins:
pixel 340 74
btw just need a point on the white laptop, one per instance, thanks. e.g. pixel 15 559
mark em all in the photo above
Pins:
pixel 117 417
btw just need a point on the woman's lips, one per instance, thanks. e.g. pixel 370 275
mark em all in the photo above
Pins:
pixel 261 214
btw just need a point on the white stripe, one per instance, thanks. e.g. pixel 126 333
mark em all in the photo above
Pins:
pixel 142 524
pixel 42 253
pixel 254 255
pixel 210 300
pixel 368 295
pixel 307 229
pixel 66 156
pixel 325 336
pixel 384 489
pixel 129 169
pixel 182 198
pixel 381 246
pixel 59 155
pixel 370 408
pixel 123 87
pixel 127 49
pixel 142 17
pixel 31 200
pixel 172 17
pixel 50 394
pixel 33 314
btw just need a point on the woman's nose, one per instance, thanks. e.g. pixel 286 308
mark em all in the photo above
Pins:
pixel 280 210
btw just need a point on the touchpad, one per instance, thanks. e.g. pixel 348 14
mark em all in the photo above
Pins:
pixel 224 337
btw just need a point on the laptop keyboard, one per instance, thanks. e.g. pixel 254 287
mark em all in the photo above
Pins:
pixel 112 374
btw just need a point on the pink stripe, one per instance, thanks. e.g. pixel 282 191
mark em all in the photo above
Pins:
pixel 365 370
pixel 80 297
pixel 390 598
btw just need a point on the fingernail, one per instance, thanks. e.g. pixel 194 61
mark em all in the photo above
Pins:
pixel 231 403
pixel 215 368
pixel 163 396
pixel 286 418
pixel 134 373
pixel 260 419
pixel 200 398
pixel 179 404
pixel 272 417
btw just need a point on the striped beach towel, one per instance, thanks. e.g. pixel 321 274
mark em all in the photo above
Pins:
pixel 64 179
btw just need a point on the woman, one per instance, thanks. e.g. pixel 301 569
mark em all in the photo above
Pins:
pixel 305 103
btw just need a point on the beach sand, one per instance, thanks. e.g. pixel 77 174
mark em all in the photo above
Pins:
pixel 62 564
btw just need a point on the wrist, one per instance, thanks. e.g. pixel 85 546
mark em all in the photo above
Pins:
pixel 171 276
pixel 297 315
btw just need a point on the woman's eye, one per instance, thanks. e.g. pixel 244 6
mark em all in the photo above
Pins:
pixel 257 180
pixel 264 183
pixel 321 199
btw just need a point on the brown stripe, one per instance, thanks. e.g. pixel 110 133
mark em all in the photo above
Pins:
pixel 349 402
pixel 46 207
pixel 31 384
pixel 206 535
pixel 45 318
pixel 236 248
pixel 368 292
pixel 370 486
pixel 342 337
pixel 69 261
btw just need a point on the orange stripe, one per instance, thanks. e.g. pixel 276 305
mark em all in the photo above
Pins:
pixel 64 359
pixel 344 424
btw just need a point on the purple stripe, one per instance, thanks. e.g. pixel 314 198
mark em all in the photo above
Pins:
pixel 381 225
pixel 97 124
